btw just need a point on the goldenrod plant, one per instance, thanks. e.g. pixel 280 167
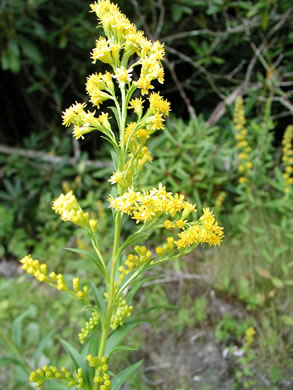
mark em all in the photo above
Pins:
pixel 134 65
pixel 287 158
pixel 243 148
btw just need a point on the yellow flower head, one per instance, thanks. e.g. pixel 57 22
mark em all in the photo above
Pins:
pixel 115 24
pixel 158 104
pixel 69 210
pixel 137 105
pixel 33 267
pixel 180 224
pixel 123 76
pixel 168 224
pixel 249 336
pixel 117 177
pixel 74 114
pixel 95 87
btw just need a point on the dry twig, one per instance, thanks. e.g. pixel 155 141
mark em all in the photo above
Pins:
pixel 4 149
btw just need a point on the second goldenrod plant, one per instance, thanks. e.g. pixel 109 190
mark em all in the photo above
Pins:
pixel 245 165
pixel 134 63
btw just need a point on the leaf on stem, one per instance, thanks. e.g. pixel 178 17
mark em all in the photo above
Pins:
pixel 42 345
pixel 77 360
pixel 91 256
pixel 17 326
pixel 100 301
pixel 133 239
pixel 123 348
pixel 125 374
pixel 118 335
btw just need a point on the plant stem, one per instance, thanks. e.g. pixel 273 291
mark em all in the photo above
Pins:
pixel 111 290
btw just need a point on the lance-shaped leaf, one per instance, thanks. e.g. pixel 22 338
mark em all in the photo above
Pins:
pixel 100 301
pixel 17 326
pixel 92 257
pixel 125 374
pixel 42 345
pixel 77 360
pixel 118 335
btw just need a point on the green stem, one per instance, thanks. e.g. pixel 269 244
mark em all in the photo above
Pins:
pixel 111 290
pixel 97 249
pixel 122 125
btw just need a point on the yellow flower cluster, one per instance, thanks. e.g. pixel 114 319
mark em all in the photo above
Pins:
pixel 158 109
pixel 39 271
pixel 78 292
pixel 33 267
pixel 249 336
pixel 85 121
pixel 144 207
pixel 100 87
pixel 121 42
pixel 122 312
pixel 245 166
pixel 287 158
pixel 220 199
pixel 69 210
pixel 134 261
pixel 102 375
pixel 46 373
pixel 167 248
pixel 206 231
pixel 89 326
pixel 122 37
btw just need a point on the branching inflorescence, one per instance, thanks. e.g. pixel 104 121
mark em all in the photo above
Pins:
pixel 135 63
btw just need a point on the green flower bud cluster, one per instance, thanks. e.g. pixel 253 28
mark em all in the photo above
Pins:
pixel 123 311
pixel 51 372
pixel 101 375
pixel 89 326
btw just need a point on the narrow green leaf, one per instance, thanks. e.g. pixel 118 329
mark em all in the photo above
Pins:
pixel 17 326
pixel 123 348
pixel 100 301
pixel 156 307
pixel 11 57
pixel 42 345
pixel 115 160
pixel 115 112
pixel 125 374
pixel 91 256
pixel 133 239
pixel 9 360
pixel 137 285
pixel 118 335
pixel 30 50
pixel 74 355
pixel 77 360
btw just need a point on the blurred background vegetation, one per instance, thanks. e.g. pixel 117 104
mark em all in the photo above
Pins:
pixel 216 50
